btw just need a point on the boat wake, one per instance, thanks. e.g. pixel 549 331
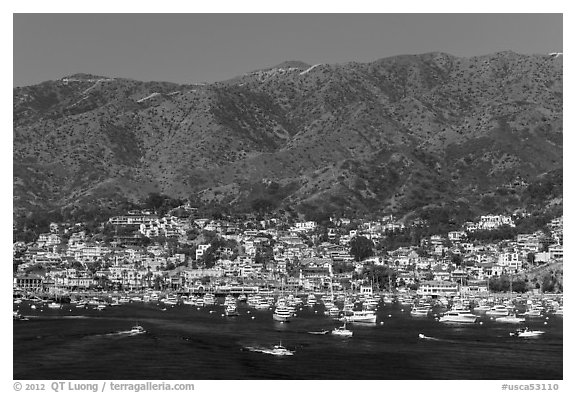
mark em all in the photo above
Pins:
pixel 421 336
pixel 320 332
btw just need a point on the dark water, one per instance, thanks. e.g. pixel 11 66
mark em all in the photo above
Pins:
pixel 189 344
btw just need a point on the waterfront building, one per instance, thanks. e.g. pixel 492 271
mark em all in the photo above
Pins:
pixel 437 288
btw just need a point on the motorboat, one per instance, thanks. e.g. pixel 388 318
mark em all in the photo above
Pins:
pixel 421 311
pixel 18 317
pixel 364 316
pixel 54 305
pixel 510 319
pixel 458 317
pixel 342 331
pixel 526 332
pixel 279 350
pixel 137 329
pixel 321 332
pixel 497 311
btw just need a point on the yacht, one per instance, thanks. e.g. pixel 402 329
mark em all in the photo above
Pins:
pixel 170 300
pixel 342 331
pixel 534 312
pixel 200 302
pixel 209 299
pixel 262 304
pixel 54 305
pixel 364 316
pixel 334 311
pixel 421 311
pixel 311 300
pixel 231 310
pixel 282 314
pixel 497 311
pixel 372 303
pixel 458 317
pixel 482 308
pixel 559 312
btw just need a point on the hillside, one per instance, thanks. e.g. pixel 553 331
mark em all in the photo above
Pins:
pixel 397 134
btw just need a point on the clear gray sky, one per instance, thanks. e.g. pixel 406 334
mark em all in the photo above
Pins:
pixel 188 48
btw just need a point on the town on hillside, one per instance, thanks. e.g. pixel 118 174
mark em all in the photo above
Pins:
pixel 187 253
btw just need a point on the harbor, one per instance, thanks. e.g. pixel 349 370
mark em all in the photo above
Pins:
pixel 189 337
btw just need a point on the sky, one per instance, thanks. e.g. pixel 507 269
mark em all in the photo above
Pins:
pixel 196 48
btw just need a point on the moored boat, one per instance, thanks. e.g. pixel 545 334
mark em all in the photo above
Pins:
pixel 458 317
pixel 364 316
pixel 510 319
pixel 497 311
pixel 282 314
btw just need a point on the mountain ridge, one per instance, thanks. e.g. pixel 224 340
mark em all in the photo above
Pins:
pixel 339 137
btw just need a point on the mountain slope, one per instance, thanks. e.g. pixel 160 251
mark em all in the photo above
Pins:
pixel 396 134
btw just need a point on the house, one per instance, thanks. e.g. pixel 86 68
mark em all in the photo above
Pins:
pixel 201 250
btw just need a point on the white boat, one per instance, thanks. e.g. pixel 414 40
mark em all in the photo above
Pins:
pixel 334 311
pixel 482 308
pixel 137 329
pixel 510 319
pixel 200 302
pixel 54 305
pixel 279 350
pixel 311 300
pixel 526 333
pixel 458 317
pixel 420 311
pixel 262 304
pixel 18 317
pixel 536 312
pixel 282 314
pixel 372 303
pixel 497 311
pixel 559 312
pixel 364 316
pixel 170 300
pixel 231 310
pixel 209 299
pixel 342 331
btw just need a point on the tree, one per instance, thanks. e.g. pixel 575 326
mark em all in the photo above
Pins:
pixel 361 248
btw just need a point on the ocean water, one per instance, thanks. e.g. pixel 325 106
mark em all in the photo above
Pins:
pixel 182 342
